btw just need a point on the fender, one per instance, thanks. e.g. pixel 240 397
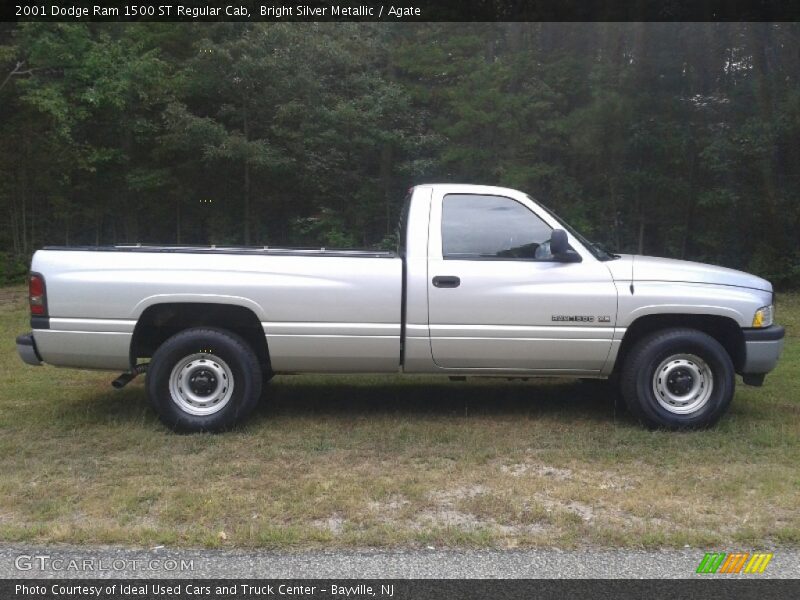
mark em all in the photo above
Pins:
pixel 146 303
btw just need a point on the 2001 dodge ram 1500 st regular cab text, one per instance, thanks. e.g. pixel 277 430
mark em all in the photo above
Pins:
pixel 485 282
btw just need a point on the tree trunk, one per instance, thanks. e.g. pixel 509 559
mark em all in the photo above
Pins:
pixel 130 223
pixel 15 238
pixel 612 192
pixel 386 183
pixel 640 211
pixel 98 225
pixel 246 179
pixel 640 245
pixel 246 203
pixel 689 218
pixel 760 39
pixel 178 220
pixel 23 192
pixel 33 222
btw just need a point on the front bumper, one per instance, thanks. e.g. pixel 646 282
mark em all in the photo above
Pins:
pixel 762 349
pixel 26 348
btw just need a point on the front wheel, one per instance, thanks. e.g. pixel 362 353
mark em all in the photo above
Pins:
pixel 203 379
pixel 678 379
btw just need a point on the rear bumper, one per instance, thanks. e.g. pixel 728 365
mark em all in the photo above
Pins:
pixel 762 349
pixel 26 348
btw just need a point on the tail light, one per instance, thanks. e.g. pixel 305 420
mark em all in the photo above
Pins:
pixel 37 295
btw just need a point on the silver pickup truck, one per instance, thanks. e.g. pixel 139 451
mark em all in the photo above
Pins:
pixel 485 281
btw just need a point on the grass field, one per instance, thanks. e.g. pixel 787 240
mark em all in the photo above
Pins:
pixel 393 461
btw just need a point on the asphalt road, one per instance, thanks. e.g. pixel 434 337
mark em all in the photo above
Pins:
pixel 21 561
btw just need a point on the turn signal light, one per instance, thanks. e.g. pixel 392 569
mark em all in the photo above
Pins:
pixel 763 316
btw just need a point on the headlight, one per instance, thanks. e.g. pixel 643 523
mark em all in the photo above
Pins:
pixel 763 316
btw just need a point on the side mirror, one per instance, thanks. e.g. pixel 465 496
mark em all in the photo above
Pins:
pixel 559 247
pixel 558 242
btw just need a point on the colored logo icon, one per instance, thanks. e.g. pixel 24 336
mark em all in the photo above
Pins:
pixel 734 562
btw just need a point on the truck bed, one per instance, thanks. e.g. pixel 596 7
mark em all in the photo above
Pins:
pixel 321 310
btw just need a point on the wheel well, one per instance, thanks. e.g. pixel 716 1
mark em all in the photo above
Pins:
pixel 161 321
pixel 723 329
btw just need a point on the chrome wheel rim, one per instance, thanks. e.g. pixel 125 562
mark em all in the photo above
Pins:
pixel 683 383
pixel 201 384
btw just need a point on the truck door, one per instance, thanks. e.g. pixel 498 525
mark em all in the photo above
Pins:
pixel 497 299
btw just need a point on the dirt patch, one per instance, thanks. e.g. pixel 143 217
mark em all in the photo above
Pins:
pixel 580 509
pixel 448 517
pixel 520 469
pixel 603 480
pixel 390 506
pixel 334 524
pixel 459 493
pixel 452 518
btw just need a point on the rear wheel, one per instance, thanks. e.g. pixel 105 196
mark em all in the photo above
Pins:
pixel 204 380
pixel 678 379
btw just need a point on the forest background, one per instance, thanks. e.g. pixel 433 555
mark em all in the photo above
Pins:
pixel 669 139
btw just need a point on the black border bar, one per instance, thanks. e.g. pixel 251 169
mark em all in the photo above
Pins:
pixel 404 10
pixel 708 588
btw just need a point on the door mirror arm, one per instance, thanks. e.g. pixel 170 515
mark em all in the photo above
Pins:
pixel 570 256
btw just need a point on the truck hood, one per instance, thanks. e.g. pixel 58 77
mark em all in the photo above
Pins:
pixel 651 268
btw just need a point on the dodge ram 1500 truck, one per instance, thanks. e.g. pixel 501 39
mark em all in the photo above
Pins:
pixel 485 281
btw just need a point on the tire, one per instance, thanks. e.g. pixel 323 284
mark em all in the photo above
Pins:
pixel 204 379
pixel 678 379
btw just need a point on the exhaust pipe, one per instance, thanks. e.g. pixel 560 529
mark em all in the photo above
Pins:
pixel 125 378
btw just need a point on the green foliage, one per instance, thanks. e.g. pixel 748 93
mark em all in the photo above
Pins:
pixel 676 139
pixel 12 268
pixel 327 227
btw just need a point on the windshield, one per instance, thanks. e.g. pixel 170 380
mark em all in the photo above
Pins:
pixel 596 249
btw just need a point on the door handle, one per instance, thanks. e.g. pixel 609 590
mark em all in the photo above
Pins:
pixel 446 281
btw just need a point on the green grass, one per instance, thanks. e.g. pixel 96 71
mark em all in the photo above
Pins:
pixel 393 461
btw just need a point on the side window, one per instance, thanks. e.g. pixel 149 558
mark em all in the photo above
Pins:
pixel 492 227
